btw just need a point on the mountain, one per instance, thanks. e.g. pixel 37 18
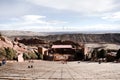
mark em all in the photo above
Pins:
pixel 21 33
pixel 79 38
pixel 74 36
pixel 86 38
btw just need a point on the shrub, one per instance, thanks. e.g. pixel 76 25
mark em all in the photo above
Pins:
pixel 94 54
pixel 32 55
pixel 101 53
pixel 118 54
pixel 110 58
pixel 26 56
pixel 39 55
pixel 2 53
pixel 10 53
pixel 0 34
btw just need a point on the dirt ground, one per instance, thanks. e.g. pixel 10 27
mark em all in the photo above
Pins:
pixel 49 70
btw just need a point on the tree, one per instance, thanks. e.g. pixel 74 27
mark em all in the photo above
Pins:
pixel 101 54
pixel 32 55
pixel 39 55
pixel 94 54
pixel 118 54
pixel 0 34
pixel 2 53
pixel 79 54
pixel 26 56
pixel 10 53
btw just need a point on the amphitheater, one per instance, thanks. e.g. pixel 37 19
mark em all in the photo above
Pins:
pixel 56 70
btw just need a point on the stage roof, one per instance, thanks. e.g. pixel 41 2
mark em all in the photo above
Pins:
pixel 62 46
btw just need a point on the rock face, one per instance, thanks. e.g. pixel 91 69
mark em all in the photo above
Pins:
pixel 12 50
pixel 77 38
pixel 20 58
pixel 86 38
pixel 20 48
pixel 31 41
pixel 5 42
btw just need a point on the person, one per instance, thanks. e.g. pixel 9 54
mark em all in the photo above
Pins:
pixel 99 61
pixel 78 62
pixel 0 64
pixel 3 61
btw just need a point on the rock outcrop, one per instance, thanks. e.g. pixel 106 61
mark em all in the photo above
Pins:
pixel 5 42
pixel 18 47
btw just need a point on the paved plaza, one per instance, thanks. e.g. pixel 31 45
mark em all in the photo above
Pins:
pixel 49 70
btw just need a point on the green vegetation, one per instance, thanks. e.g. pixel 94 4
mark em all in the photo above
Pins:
pixel 98 54
pixel 110 58
pixel 101 53
pixel 39 55
pixel 0 34
pixel 79 55
pixel 118 54
pixel 8 53
pixel 2 53
pixel 26 56
pixel 94 54
pixel 30 55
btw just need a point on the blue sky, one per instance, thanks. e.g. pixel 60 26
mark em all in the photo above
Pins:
pixel 60 15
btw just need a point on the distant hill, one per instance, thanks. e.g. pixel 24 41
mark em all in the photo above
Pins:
pixel 86 38
pixel 21 33
pixel 76 37
pixel 79 38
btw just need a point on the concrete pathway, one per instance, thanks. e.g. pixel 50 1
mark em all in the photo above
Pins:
pixel 46 70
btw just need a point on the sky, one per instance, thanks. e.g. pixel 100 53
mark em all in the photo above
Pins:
pixel 60 15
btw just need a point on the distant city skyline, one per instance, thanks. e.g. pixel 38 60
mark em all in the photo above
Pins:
pixel 60 15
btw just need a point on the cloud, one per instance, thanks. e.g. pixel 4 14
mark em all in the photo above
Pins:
pixel 31 22
pixel 101 27
pixel 33 17
pixel 83 6
pixel 81 15
pixel 115 16
pixel 92 28
pixel 13 8
pixel 23 24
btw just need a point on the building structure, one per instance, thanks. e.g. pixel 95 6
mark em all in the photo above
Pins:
pixel 62 52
